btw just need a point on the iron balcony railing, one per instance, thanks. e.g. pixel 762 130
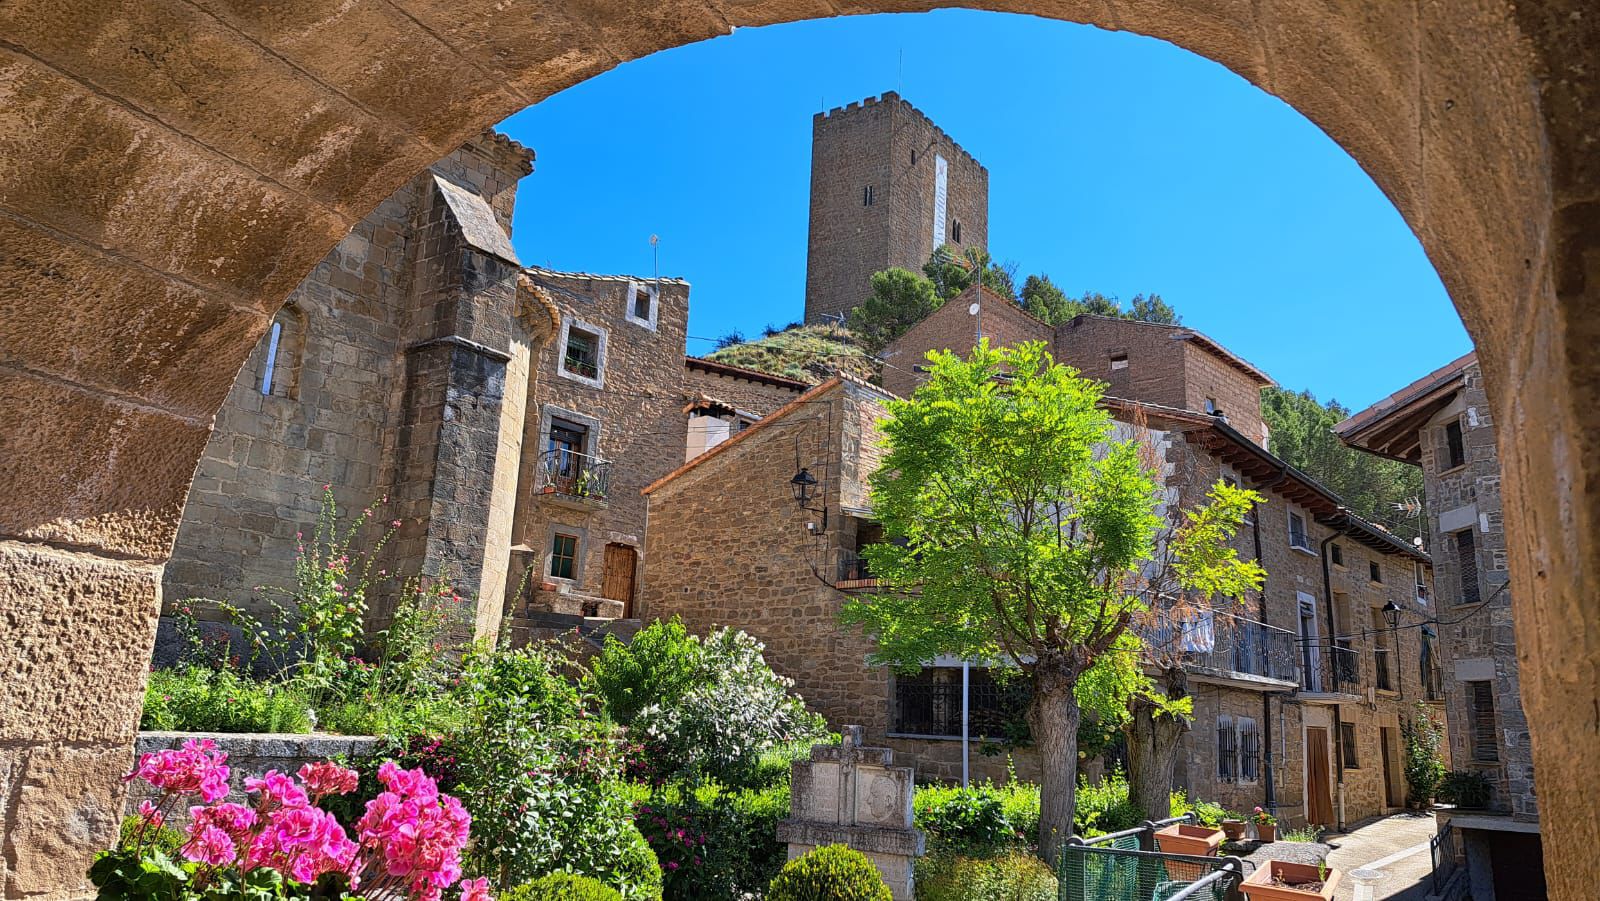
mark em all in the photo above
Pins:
pixel 854 569
pixel 1213 640
pixel 573 474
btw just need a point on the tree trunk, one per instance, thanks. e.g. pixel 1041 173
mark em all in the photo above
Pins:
pixel 1153 749
pixel 1053 717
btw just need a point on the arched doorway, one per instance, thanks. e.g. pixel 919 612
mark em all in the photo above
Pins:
pixel 169 172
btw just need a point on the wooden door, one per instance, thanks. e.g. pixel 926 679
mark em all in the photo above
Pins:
pixel 621 562
pixel 1393 792
pixel 1319 798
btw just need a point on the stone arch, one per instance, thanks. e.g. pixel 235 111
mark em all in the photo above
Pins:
pixel 169 171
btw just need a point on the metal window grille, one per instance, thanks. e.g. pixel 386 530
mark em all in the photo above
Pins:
pixel 1467 562
pixel 929 703
pixel 1249 750
pixel 1347 745
pixel 1484 745
pixel 1227 751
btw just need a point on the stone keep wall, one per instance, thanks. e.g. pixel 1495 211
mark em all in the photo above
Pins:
pixel 1481 646
pixel 854 795
pixel 953 327
pixel 871 144
pixel 331 415
pixel 634 417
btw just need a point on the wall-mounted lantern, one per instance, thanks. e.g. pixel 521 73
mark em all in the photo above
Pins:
pixel 803 485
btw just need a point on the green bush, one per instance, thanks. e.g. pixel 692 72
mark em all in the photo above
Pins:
pixel 703 709
pixel 562 887
pixel 1017 876
pixel 714 844
pixel 1424 738
pixel 199 699
pixel 541 776
pixel 829 873
pixel 1466 788
pixel 981 820
pixel 1103 806
pixel 1207 813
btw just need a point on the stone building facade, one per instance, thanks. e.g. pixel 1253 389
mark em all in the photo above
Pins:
pixel 888 187
pixel 1299 693
pixel 483 411
pixel 975 313
pixel 384 375
pixel 1443 424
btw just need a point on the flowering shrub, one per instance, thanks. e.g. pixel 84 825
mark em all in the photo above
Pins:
pixel 714 844
pixel 703 709
pixel 407 845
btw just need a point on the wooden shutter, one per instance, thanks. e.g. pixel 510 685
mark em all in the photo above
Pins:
pixel 1484 745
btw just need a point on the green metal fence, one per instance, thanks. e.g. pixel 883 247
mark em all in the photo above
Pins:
pixel 1119 867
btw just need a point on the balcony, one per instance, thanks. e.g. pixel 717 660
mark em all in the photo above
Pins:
pixel 1330 674
pixel 570 479
pixel 854 573
pixel 1223 648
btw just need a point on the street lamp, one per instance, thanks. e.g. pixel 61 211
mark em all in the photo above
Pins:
pixel 1391 612
pixel 802 485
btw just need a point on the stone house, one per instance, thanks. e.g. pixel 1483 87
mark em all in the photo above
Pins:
pixel 1442 423
pixel 503 418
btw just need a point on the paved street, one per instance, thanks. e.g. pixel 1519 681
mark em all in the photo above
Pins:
pixel 1396 845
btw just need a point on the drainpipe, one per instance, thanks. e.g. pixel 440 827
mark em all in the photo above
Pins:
pixel 1269 764
pixel 1333 656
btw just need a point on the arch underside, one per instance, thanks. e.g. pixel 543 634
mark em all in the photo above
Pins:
pixel 171 169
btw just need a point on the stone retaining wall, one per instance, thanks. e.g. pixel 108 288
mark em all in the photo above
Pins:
pixel 251 754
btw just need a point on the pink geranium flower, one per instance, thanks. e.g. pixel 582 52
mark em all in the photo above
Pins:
pixel 476 890
pixel 328 778
pixel 277 789
pixel 210 845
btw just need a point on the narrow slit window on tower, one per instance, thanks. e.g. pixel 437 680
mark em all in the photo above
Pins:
pixel 955 231
pixel 913 156
pixel 267 371
pixel 867 196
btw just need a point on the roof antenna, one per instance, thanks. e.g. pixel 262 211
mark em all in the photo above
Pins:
pixel 655 259
pixel 900 76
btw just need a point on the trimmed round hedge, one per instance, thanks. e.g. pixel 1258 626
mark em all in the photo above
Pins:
pixel 829 873
pixel 563 887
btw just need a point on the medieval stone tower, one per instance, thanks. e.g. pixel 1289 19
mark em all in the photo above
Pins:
pixel 887 187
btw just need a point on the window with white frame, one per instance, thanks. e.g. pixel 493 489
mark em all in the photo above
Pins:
pixel 644 302
pixel 1298 537
pixel 582 354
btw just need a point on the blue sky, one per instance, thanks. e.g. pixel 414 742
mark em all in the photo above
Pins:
pixel 1117 163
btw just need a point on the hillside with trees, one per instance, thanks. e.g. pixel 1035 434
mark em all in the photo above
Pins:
pixel 806 353
pixel 1302 433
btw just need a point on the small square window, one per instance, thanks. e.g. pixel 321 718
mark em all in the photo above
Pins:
pixel 643 302
pixel 583 352
pixel 1211 405
pixel 1336 553
pixel 564 556
pixel 1374 571
pixel 1119 361
pixel 1347 745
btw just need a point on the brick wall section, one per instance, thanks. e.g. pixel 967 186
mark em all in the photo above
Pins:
pixel 1164 367
pixel 1481 646
pixel 635 419
pixel 953 327
pixel 872 144
pixel 754 392
pixel 258 482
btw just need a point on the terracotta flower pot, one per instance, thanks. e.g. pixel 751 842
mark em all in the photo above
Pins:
pixel 1233 829
pixel 1266 832
pixel 1261 885
pixel 1182 838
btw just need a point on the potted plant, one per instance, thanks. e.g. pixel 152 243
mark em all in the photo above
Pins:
pixel 1280 880
pixel 1182 838
pixel 1233 826
pixel 1468 789
pixel 1266 825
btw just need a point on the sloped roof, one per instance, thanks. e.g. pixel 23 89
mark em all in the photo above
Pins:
pixel 1392 427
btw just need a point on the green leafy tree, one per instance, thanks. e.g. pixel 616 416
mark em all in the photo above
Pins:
pixel 1042 298
pixel 1152 309
pixel 1023 523
pixel 952 272
pixel 1302 433
pixel 900 299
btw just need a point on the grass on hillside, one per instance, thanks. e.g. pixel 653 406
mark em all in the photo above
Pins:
pixel 806 353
